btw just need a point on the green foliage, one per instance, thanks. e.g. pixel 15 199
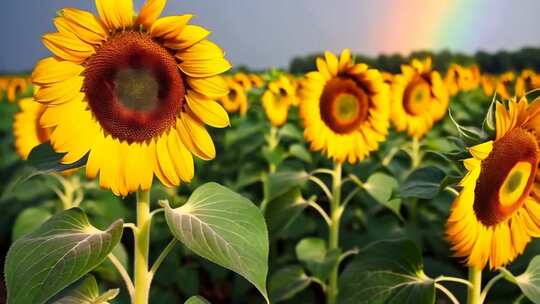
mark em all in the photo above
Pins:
pixel 529 281
pixel 85 291
pixel 387 272
pixel 316 257
pixel 73 247
pixel 225 228
pixel 287 282
pixel 196 300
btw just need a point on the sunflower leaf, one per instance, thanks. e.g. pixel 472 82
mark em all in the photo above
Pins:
pixel 45 159
pixel 277 184
pixel 423 183
pixel 225 228
pixel 281 212
pixel 387 272
pixel 529 281
pixel 287 282
pixel 73 248
pixel 84 291
pixel 381 187
pixel 196 300
pixel 318 259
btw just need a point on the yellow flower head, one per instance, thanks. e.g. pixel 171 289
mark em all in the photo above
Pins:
pixel 453 79
pixel 26 128
pixel 488 83
pixel 527 81
pixel 497 211
pixel 419 98
pixel 505 84
pixel 244 80
pixel 278 98
pixel 256 81
pixel 15 86
pixel 345 108
pixel 236 100
pixel 132 92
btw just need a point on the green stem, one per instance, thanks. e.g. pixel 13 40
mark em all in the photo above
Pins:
pixel 142 244
pixel 474 292
pixel 488 286
pixel 333 237
pixel 273 141
pixel 415 153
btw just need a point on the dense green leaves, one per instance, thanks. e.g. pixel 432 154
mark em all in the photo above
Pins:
pixel 318 260
pixel 387 272
pixel 28 220
pixel 279 183
pixel 381 187
pixel 423 183
pixel 62 250
pixel 287 282
pixel 225 228
pixel 281 212
pixel 529 281
pixel 85 291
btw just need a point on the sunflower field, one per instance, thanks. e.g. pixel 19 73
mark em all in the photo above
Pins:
pixel 139 165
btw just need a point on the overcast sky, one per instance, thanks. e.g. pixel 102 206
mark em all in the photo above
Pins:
pixel 269 33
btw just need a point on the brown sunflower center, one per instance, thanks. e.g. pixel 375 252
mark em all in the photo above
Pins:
pixel 506 177
pixel 344 105
pixel 417 97
pixel 134 87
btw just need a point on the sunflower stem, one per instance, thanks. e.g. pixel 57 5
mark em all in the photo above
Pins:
pixel 416 158
pixel 474 292
pixel 142 244
pixel 333 237
pixel 272 141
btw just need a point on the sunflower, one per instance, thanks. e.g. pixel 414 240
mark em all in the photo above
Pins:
pixel 236 100
pixel 15 87
pixel 504 85
pixel 26 128
pixel 256 81
pixel 133 93
pixel 498 209
pixel 488 83
pixel 244 80
pixel 419 98
pixel 345 108
pixel 528 80
pixel 453 79
pixel 3 87
pixel 278 98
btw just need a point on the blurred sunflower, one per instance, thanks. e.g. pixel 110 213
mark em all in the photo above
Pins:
pixel 15 87
pixel 26 128
pixel 131 92
pixel 278 98
pixel 256 81
pixel 453 79
pixel 472 78
pixel 345 108
pixel 244 80
pixel 497 211
pixel 419 98
pixel 488 83
pixel 387 77
pixel 504 85
pixel 528 80
pixel 236 100
pixel 3 87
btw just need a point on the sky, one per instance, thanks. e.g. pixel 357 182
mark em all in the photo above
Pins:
pixel 269 33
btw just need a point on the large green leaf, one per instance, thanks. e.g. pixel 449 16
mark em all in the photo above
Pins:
pixel 62 250
pixel 85 291
pixel 381 187
pixel 281 212
pixel 28 220
pixel 279 183
pixel 529 281
pixel 387 272
pixel 287 282
pixel 423 183
pixel 225 228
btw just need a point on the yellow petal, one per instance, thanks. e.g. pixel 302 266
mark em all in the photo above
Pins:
pixel 169 27
pixel 212 87
pixel 116 14
pixel 68 47
pixel 344 59
pixel 181 157
pixel 164 160
pixel 85 26
pixel 60 92
pixel 93 165
pixel 205 68
pixel 201 51
pixel 199 136
pixel 158 171
pixel 331 62
pixel 482 151
pixel 150 12
pixel 189 36
pixel 51 70
pixel 209 111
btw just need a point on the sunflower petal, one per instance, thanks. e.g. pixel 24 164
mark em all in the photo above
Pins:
pixel 205 68
pixel 116 14
pixel 181 157
pixel 169 27
pixel 60 92
pixel 203 50
pixel 189 36
pixel 165 161
pixel 202 142
pixel 209 111
pixel 211 87
pixel 85 25
pixel 331 62
pixel 150 12
pixel 51 70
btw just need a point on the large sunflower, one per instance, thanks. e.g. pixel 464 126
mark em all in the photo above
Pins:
pixel 236 100
pixel 132 93
pixel 498 210
pixel 278 98
pixel 419 98
pixel 345 108
pixel 26 128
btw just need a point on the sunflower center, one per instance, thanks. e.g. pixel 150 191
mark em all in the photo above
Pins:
pixel 506 177
pixel 417 97
pixel 344 105
pixel 134 87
